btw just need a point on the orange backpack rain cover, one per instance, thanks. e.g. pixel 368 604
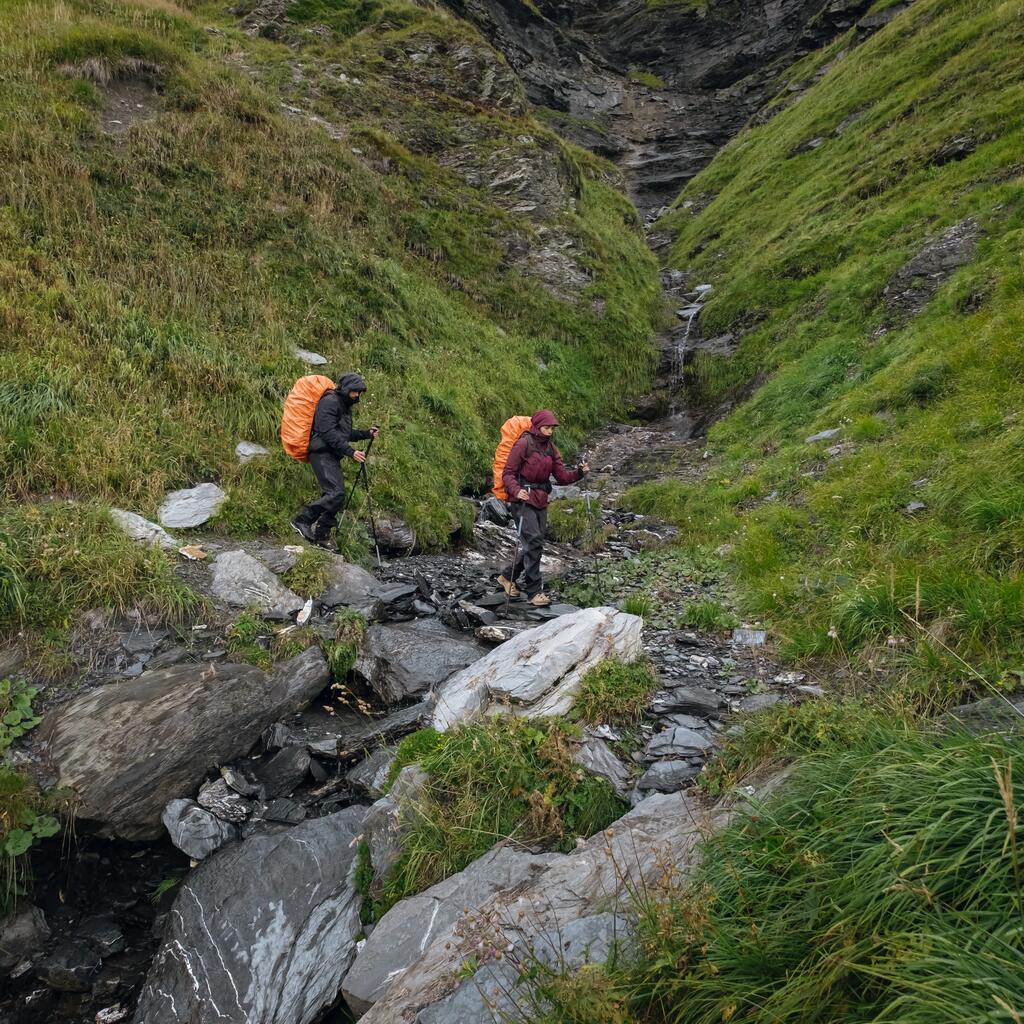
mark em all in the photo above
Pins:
pixel 511 430
pixel 299 407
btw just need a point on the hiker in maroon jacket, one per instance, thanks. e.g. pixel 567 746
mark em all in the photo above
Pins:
pixel 533 461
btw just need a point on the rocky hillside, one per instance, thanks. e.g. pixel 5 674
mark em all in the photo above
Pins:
pixel 659 86
pixel 200 205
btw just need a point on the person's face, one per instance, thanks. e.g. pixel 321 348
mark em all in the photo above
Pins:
pixel 547 431
pixel 354 395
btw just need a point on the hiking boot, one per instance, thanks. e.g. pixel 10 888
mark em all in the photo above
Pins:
pixel 322 538
pixel 540 600
pixel 305 530
pixel 508 586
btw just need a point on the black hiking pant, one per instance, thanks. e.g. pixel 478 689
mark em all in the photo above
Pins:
pixel 324 511
pixel 533 524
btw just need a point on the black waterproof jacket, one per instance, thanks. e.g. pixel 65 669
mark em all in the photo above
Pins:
pixel 332 426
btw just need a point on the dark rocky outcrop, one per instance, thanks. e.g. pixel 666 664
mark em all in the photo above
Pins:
pixel 660 89
pixel 128 748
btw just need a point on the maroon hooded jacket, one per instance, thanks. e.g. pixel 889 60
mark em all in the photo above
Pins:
pixel 534 459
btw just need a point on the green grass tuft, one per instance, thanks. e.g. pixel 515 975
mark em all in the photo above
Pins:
pixel 504 778
pixel 883 883
pixel 614 692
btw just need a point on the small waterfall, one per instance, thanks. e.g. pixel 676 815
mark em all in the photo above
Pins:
pixel 680 344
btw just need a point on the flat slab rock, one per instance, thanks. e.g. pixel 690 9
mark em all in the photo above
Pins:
pixel 540 669
pixel 129 748
pixel 192 506
pixel 263 931
pixel 408 928
pixel 241 581
pixel 143 530
pixel 405 659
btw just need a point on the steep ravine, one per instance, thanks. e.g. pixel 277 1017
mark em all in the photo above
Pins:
pixel 717 66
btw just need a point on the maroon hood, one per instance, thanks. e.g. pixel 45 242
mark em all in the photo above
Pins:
pixel 542 418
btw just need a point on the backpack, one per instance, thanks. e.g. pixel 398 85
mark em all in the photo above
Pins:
pixel 511 430
pixel 299 407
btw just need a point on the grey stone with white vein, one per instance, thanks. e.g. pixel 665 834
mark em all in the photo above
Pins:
pixel 406 930
pixel 263 931
pixel 241 581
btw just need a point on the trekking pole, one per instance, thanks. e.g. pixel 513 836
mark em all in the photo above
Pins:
pixel 515 561
pixel 593 547
pixel 369 509
pixel 355 483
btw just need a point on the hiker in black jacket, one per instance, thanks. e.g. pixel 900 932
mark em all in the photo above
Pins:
pixel 329 442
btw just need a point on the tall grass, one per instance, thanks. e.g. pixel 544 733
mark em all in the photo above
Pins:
pixel 882 884
pixel 505 779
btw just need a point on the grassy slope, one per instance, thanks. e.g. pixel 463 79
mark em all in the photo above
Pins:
pixel 800 249
pixel 155 281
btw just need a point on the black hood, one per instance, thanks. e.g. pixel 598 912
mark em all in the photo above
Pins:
pixel 351 382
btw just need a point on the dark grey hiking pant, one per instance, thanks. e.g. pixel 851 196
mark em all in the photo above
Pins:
pixel 324 511
pixel 533 524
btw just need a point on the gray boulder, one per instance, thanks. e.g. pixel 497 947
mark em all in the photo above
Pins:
pixel 678 741
pixel 307 357
pixel 246 451
pixel 408 928
pixel 371 774
pixel 823 435
pixel 539 670
pixel 394 535
pixel 239 580
pixel 264 931
pixel 495 992
pixel 71 967
pixel 192 506
pixel 143 530
pixel 663 832
pixel 352 587
pixel 596 757
pixel 407 658
pixel 194 830
pixel 21 934
pixel 128 748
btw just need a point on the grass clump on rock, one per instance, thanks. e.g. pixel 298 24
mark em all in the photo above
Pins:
pixel 507 777
pixel 614 692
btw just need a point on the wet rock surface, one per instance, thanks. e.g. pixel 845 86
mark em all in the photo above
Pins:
pixel 265 930
pixel 404 660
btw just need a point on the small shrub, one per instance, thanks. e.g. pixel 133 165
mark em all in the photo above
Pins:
pixel 16 714
pixel 249 638
pixel 648 78
pixel 342 651
pixel 614 692
pixel 570 521
pixel 411 750
pixel 638 604
pixel 785 731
